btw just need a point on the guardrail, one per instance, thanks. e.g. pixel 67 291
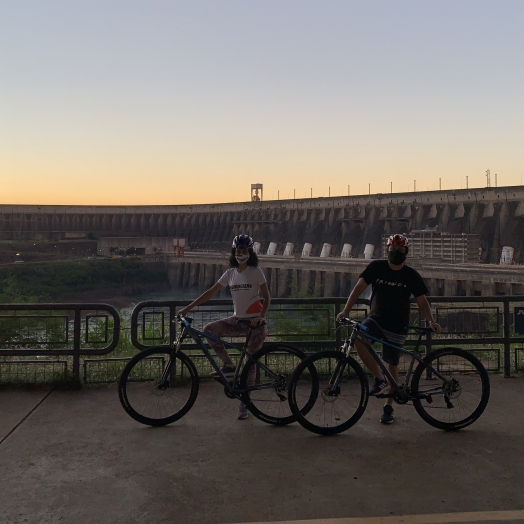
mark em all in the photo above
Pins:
pixel 467 321
pixel 44 330
pixel 484 325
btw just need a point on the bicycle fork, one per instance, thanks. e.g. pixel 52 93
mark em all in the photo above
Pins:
pixel 169 373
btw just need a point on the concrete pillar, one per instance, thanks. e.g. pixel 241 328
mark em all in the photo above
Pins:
pixel 326 251
pixel 506 257
pixel 282 282
pixel 272 249
pixel 319 284
pixel 193 275
pixel 273 283
pixel 306 251
pixel 450 288
pixel 294 283
pixel 210 275
pixel 368 251
pixel 346 251
pixel 288 251
pixel 488 289
pixel 329 283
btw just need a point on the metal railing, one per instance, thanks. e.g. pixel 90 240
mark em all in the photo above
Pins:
pixel 474 322
pixel 44 330
pixel 76 334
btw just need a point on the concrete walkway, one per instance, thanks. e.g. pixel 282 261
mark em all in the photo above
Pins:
pixel 78 458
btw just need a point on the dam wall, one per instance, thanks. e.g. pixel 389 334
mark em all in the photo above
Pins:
pixel 354 223
pixel 333 278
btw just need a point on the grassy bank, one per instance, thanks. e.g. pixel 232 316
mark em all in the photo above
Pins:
pixel 49 280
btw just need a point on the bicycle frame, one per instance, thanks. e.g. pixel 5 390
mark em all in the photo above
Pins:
pixel 197 336
pixel 360 331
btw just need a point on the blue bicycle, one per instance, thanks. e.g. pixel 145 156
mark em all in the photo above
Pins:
pixel 159 385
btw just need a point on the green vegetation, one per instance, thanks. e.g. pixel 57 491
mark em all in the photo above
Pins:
pixel 47 281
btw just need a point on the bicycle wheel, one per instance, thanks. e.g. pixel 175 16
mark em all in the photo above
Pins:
pixel 339 388
pixel 459 400
pixel 269 401
pixel 143 398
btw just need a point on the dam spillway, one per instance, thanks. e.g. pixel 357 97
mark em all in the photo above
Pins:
pixel 496 215
pixel 300 277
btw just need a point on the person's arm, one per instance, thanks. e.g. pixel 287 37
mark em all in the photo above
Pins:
pixel 204 297
pixel 425 308
pixel 353 297
pixel 264 291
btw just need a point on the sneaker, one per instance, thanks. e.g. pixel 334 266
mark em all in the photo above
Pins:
pixel 229 372
pixel 243 412
pixel 387 415
pixel 379 385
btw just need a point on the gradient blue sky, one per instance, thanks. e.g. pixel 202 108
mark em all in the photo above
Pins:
pixel 127 102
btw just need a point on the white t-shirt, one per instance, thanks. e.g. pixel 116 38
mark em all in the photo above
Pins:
pixel 244 289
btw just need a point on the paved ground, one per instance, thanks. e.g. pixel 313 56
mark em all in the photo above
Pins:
pixel 78 458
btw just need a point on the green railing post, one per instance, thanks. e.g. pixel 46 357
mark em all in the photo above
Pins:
pixel 507 342
pixel 76 349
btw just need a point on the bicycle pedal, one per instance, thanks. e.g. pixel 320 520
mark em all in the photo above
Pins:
pixel 281 397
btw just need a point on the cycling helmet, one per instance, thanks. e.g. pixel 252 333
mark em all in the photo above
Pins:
pixel 243 242
pixel 398 240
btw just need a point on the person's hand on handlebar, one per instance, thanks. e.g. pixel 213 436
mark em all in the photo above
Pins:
pixel 342 314
pixel 184 311
pixel 437 328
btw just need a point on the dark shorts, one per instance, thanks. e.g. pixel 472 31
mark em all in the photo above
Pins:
pixel 389 354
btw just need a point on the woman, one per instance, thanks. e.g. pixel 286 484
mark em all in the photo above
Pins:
pixel 246 282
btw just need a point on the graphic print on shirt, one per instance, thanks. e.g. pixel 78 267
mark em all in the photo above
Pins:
pixel 255 307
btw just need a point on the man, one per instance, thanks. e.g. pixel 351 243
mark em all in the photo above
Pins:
pixel 393 283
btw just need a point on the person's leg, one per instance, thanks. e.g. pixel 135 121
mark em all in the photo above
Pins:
pixel 393 369
pixel 256 340
pixel 226 327
pixel 391 357
pixel 368 360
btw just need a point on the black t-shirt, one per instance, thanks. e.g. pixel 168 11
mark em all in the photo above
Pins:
pixel 391 293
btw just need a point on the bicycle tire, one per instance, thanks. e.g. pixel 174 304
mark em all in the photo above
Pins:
pixel 332 412
pixel 137 387
pixel 463 364
pixel 270 404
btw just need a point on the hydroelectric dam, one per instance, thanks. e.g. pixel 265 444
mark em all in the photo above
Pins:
pixel 314 232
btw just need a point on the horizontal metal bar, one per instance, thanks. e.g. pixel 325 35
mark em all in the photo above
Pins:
pixel 77 308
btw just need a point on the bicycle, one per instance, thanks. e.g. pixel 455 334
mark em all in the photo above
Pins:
pixel 160 384
pixel 443 388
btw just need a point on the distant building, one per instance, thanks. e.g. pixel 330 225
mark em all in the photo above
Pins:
pixel 441 247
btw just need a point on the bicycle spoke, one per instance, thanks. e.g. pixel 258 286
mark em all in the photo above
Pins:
pixel 268 374
pixel 146 398
pixel 338 388
pixel 461 398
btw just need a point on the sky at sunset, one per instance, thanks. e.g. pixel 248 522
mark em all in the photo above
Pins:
pixel 174 102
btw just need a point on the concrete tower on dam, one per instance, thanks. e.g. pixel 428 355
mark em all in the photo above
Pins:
pixel 351 223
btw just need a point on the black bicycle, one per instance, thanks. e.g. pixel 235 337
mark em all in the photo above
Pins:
pixel 449 388
pixel 160 384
